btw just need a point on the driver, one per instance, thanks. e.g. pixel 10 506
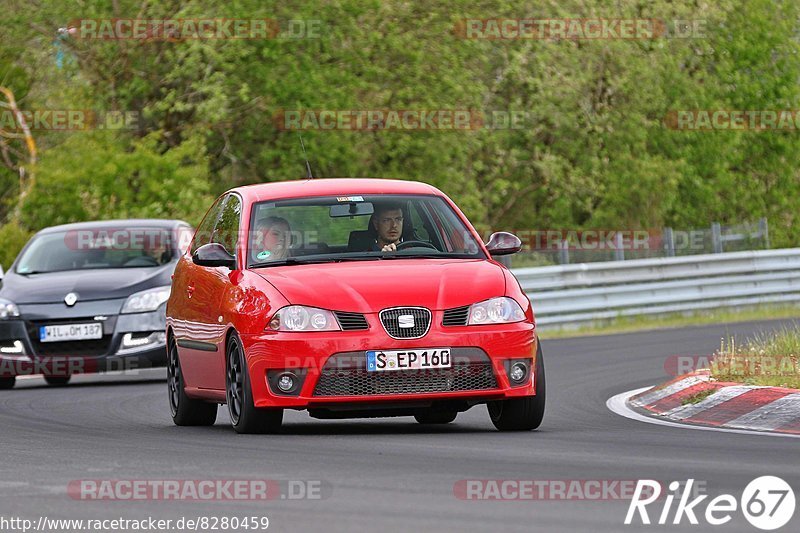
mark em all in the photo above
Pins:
pixel 388 223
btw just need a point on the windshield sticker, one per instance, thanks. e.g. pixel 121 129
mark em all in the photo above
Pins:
pixel 349 198
pixel 264 255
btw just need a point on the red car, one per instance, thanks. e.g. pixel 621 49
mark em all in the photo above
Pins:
pixel 348 298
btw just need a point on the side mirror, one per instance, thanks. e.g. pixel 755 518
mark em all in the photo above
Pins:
pixel 213 255
pixel 503 243
pixel 1 272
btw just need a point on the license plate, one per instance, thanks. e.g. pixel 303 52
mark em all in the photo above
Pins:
pixel 418 359
pixel 70 332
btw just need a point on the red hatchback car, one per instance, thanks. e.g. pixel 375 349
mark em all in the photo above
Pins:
pixel 348 298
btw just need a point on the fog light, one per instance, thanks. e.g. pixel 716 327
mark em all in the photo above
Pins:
pixel 132 342
pixel 286 382
pixel 519 372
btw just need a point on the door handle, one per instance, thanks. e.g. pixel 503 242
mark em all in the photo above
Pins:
pixel 190 290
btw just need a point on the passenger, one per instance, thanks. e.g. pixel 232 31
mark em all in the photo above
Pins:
pixel 272 239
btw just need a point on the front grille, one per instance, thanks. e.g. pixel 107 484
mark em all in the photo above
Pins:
pixel 351 321
pixel 406 322
pixel 84 348
pixel 359 382
pixel 456 317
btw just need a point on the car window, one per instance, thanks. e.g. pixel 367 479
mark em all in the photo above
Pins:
pixel 420 225
pixel 226 230
pixel 206 228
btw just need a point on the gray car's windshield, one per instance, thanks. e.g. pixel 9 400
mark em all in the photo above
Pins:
pixel 357 227
pixel 97 249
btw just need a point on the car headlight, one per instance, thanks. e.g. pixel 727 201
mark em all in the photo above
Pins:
pixel 8 309
pixel 149 300
pixel 502 310
pixel 302 318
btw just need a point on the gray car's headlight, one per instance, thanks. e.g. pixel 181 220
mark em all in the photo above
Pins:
pixel 502 310
pixel 145 301
pixel 8 309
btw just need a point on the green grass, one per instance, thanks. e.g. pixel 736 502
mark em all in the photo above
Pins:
pixel 771 359
pixel 699 397
pixel 677 320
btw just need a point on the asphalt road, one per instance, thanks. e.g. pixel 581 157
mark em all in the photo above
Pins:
pixel 386 474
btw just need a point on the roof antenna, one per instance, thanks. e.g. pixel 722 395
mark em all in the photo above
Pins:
pixel 305 155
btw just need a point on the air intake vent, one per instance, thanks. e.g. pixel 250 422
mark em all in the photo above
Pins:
pixel 351 321
pixel 456 317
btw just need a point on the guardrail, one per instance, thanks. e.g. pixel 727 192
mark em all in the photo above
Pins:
pixel 570 295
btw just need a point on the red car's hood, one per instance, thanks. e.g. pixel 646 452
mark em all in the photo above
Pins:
pixel 369 286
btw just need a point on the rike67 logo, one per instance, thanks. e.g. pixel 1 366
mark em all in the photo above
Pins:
pixel 767 502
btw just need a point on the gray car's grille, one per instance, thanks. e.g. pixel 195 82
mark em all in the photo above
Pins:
pixel 351 321
pixel 406 322
pixel 473 376
pixel 456 317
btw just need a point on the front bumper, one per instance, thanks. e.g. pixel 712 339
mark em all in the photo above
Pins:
pixel 479 353
pixel 21 352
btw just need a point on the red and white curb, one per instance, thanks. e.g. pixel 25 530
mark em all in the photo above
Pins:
pixel 726 406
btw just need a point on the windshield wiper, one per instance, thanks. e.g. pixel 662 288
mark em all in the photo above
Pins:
pixel 423 256
pixel 313 260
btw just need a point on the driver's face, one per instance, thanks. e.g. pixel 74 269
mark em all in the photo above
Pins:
pixel 389 225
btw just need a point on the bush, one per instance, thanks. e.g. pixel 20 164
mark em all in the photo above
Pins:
pixel 12 239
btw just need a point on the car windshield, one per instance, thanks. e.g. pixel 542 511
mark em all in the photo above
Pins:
pixel 99 248
pixel 357 228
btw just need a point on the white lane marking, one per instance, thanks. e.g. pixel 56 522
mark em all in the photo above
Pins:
pixel 724 394
pixel 773 415
pixel 619 404
pixel 678 386
pixel 13 484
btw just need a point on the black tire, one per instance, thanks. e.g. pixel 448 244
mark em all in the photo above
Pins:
pixel 185 411
pixel 435 417
pixel 7 383
pixel 245 417
pixel 57 381
pixel 522 414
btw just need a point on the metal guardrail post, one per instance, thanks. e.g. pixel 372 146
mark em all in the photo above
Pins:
pixel 763 230
pixel 563 252
pixel 668 239
pixel 716 237
pixel 619 252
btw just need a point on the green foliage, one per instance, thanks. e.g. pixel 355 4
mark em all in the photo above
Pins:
pixel 12 239
pixel 94 175
pixel 594 151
